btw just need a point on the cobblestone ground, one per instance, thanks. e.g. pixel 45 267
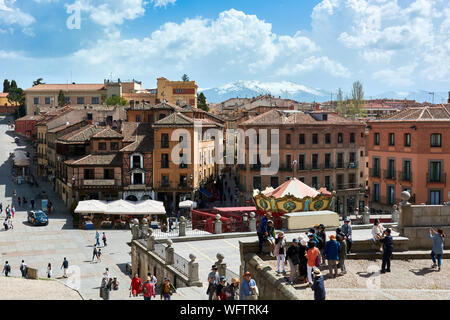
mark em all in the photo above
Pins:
pixel 409 280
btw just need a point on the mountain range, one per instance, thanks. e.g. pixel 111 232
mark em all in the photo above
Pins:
pixel 302 93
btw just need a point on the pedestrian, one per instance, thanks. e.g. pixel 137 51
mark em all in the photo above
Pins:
pixel 5 224
pixel 97 238
pixel 279 252
pixel 346 229
pixel 249 290
pixel 24 269
pixel 213 281
pixel 32 203
pixel 271 236
pixel 302 269
pixel 342 253
pixel 136 285
pixel 319 285
pixel 65 266
pixel 167 289
pixel 331 253
pixel 232 290
pixel 115 284
pixel 95 253
pixel 99 255
pixel 388 247
pixel 6 269
pixel 104 239
pixel 377 232
pixel 10 223
pixel 49 207
pixel 220 293
pixel 152 279
pixel 13 210
pixel 293 255
pixel 438 247
pixel 148 289
pixel 322 237
pixel 311 255
pixel 19 201
pixel 262 232
pixel 1 207
pixel 49 271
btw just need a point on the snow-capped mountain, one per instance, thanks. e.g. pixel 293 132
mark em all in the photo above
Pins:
pixel 250 89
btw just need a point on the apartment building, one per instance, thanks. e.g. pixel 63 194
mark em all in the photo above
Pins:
pixel 177 92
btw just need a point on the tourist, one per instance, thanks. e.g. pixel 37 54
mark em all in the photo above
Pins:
pixel 331 253
pixel 95 254
pixel 6 269
pixel 213 281
pixel 279 251
pixel 148 289
pixel 24 269
pixel 311 238
pixel 19 201
pixel 262 231
pixel 311 255
pixel 342 253
pixel 65 266
pixel 249 290
pixel 377 232
pixel 152 279
pixel 322 237
pixel 115 284
pixel 220 294
pixel 99 255
pixel 5 224
pixel 1 207
pixel 10 223
pixel 302 269
pixel 104 239
pixel 293 255
pixel 271 236
pixel 136 285
pixel 97 238
pixel 388 247
pixel 49 271
pixel 49 207
pixel 438 247
pixel 106 275
pixel 232 290
pixel 32 203
pixel 167 289
pixel 319 285
pixel 13 210
pixel 346 229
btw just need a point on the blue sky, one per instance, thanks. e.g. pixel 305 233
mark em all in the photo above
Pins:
pixel 390 45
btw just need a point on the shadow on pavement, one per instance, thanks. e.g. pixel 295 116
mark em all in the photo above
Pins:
pixel 422 272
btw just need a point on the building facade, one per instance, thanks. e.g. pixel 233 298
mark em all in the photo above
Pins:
pixel 177 92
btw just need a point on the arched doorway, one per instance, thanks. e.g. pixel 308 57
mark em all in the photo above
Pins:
pixel 132 198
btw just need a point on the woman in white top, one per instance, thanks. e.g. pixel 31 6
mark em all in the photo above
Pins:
pixel 377 232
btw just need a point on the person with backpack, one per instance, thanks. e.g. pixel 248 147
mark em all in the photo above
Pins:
pixel 331 253
pixel 148 290
pixel 322 237
pixel 438 247
pixel 388 247
pixel 319 285
pixel 65 266
pixel 293 255
pixel 6 269
pixel 279 251
pixel 167 289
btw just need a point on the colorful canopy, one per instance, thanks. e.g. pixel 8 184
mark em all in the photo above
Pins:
pixel 293 187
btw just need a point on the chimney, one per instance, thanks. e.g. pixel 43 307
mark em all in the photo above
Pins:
pixel 317 107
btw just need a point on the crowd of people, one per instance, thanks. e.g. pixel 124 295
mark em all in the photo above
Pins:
pixel 148 288
pixel 220 289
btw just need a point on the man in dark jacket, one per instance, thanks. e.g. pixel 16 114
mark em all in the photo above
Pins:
pixel 262 232
pixel 293 255
pixel 388 247
pixel 318 286
pixel 321 235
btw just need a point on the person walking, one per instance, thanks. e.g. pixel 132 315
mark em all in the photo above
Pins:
pixel 49 207
pixel 302 269
pixel 94 254
pixel 115 284
pixel 13 210
pixel 388 247
pixel 377 233
pixel 342 253
pixel 319 285
pixel 148 289
pixel 97 238
pixel 32 203
pixel 24 269
pixel 271 236
pixel 19 201
pixel 6 269
pixel 331 253
pixel 322 237
pixel 232 290
pixel 167 289
pixel 293 255
pixel 346 229
pixel 213 281
pixel 220 293
pixel 65 266
pixel 49 271
pixel 311 255
pixel 438 247
pixel 99 255
pixel 279 251
pixel 262 232
pixel 135 286
pixel 249 290
pixel 104 239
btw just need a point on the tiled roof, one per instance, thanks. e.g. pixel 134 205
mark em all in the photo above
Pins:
pixel 107 159
pixel 107 133
pixel 30 117
pixel 142 139
pixel 427 113
pixel 66 87
pixel 62 127
pixel 3 94
pixel 175 119
pixel 81 135
pixel 166 106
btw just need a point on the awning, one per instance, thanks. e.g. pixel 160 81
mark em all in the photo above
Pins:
pixel 206 192
pixel 236 209
pixel 187 204
pixel 121 207
pixel 149 207
pixel 91 206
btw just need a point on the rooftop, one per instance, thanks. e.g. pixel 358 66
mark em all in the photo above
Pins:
pixel 107 133
pixel 81 135
pixel 66 87
pixel 104 159
pixel 140 136
pixel 427 113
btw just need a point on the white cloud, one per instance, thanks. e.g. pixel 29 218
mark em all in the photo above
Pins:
pixel 11 15
pixel 399 76
pixel 162 3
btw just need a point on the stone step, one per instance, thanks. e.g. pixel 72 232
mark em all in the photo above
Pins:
pixel 405 255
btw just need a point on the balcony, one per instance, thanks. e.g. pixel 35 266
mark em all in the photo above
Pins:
pixel 436 177
pixel 352 165
pixel 165 185
pixel 328 166
pixel 99 182
pixel 303 167
pixel 375 172
pixel 405 176
pixel 389 174
pixel 340 165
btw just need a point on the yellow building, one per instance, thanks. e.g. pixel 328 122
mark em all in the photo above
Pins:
pixel 177 92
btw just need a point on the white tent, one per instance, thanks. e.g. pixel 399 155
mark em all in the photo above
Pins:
pixel 91 206
pixel 187 204
pixel 122 207
pixel 149 207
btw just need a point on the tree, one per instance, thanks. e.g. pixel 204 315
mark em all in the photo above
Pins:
pixel 357 101
pixel 13 84
pixel 185 77
pixel 6 86
pixel 38 82
pixel 116 101
pixel 16 96
pixel 340 107
pixel 61 99
pixel 201 102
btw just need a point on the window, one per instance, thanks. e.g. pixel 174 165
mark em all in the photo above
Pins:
pixel 183 180
pixel 301 162
pixel 376 167
pixel 136 162
pixel 95 100
pixel 138 178
pixel 352 157
pixel 315 183
pixel 114 146
pixel 89 116
pixel 138 118
pixel 162 116
pixel 301 138
pixel 315 161
pixel 391 195
pixel 376 139
pixel 35 100
pixel 435 197
pixel 351 180
pixel 391 169
pixel 67 100
pixel 327 138
pixel 435 172
pixel 288 161
pixel 352 137
pixel 436 140
pixel 47 100
pixel 340 138
pixel 328 182
pixel 164 161
pixel 102 146
pixel 361 153
pixel 164 141
pixel 288 139
pixel 340 181
pixel 327 160
pixel 392 139
pixel 274 182
pixel 165 181
pixel 376 192
pixel 407 140
pixel 406 173
pixel 80 100
pixel 108 174
pixel 257 182
pixel 340 160
pixel 315 138
pixel 89 174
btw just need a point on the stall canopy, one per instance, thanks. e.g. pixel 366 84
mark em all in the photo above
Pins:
pixel 293 187
pixel 120 207
pixel 187 204
pixel 91 206
pixel 149 207
pixel 235 209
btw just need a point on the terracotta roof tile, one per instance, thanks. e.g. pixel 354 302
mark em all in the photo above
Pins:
pixel 108 159
pixel 81 135
pixel 67 87
pixel 107 133
pixel 427 113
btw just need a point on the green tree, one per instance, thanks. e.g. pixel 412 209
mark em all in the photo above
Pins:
pixel 357 100
pixel 6 86
pixel 38 82
pixel 16 96
pixel 116 101
pixel 201 102
pixel 340 107
pixel 13 84
pixel 185 77
pixel 61 99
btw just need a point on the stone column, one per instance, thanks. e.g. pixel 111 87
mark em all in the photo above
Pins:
pixel 193 272
pixel 182 227
pixel 344 211
pixel 252 222
pixel 395 213
pixel 134 260
pixel 221 266
pixel 366 215
pixel 217 225
pixel 169 253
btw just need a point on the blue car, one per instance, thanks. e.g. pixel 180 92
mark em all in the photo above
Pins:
pixel 37 218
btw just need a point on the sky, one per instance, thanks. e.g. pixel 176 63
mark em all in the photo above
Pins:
pixel 388 45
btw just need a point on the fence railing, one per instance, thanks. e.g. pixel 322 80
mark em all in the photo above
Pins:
pixel 181 264
pixel 230 275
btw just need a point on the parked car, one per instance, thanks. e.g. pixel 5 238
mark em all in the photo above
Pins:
pixel 37 218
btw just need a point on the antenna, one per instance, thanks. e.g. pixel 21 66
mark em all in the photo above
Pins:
pixel 432 93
